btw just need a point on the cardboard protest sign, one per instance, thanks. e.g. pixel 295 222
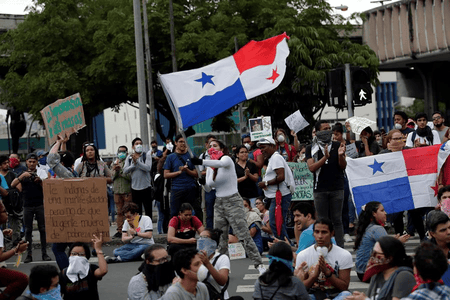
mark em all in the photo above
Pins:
pixel 260 127
pixel 350 150
pixel 64 116
pixel 304 181
pixel 75 210
pixel 359 123
pixel 296 121
pixel 236 251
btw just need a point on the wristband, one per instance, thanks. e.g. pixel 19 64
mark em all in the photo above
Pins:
pixel 100 252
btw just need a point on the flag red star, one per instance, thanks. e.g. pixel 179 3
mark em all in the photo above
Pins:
pixel 274 75
pixel 435 188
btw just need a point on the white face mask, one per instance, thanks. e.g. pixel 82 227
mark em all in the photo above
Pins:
pixel 302 156
pixel 247 145
pixel 78 265
pixel 281 138
pixel 138 149
pixel 397 126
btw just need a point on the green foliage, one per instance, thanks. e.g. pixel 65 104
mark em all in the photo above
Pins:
pixel 417 107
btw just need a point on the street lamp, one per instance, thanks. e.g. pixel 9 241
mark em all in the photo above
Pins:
pixel 341 7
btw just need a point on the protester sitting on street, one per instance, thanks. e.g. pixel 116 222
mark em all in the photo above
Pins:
pixel 14 282
pixel 370 229
pixel 287 151
pixel 43 284
pixel 155 275
pixel 216 267
pixel 279 282
pixel 389 270
pixel 228 209
pixel 187 262
pixel 137 234
pixel 247 175
pixel 266 232
pixel 121 186
pixel 79 280
pixel 438 224
pixel 91 165
pixel 182 230
pixel 33 203
pixel 324 268
pixel 429 266
pixel 423 136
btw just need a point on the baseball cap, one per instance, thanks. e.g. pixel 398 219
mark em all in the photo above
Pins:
pixel 41 152
pixel 266 141
pixel 32 156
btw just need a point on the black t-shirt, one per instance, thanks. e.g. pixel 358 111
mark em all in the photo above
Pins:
pixel 247 188
pixel 406 131
pixel 373 147
pixel 85 289
pixel 32 193
pixel 331 177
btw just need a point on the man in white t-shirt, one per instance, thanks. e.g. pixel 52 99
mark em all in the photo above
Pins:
pixel 324 267
pixel 278 176
pixel 137 234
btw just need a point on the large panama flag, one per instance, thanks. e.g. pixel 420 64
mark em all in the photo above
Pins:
pixel 203 93
pixel 399 180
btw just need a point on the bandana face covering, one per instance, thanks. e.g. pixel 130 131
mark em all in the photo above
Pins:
pixel 207 244
pixel 13 162
pixel 214 154
pixel 53 294
pixel 282 260
pixel 376 265
pixel 324 136
pixel 78 267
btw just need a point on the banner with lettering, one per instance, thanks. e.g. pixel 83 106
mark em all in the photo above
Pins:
pixel 64 117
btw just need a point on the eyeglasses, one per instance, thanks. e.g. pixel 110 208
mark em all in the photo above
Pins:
pixel 77 254
pixel 90 144
pixel 163 259
pixel 397 139
pixel 436 118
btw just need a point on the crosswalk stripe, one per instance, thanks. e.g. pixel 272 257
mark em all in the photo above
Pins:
pixel 245 289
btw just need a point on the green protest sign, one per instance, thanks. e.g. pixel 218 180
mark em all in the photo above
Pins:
pixel 64 117
pixel 304 181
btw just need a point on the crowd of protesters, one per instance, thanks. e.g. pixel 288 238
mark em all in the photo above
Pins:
pixel 247 194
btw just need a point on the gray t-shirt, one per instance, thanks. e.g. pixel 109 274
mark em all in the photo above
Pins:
pixel 403 285
pixel 177 292
pixel 295 290
pixel 138 290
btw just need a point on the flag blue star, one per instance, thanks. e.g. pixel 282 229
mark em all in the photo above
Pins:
pixel 205 79
pixel 376 166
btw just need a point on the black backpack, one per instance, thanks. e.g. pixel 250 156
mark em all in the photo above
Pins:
pixel 213 293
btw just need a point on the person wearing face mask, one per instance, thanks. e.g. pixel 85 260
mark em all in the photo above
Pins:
pixel 156 153
pixel 187 262
pixel 155 276
pixel 424 135
pixel 139 165
pixel 42 159
pixel 43 284
pixel 287 151
pixel 439 126
pixel 121 186
pixel 326 160
pixel 401 122
pixel 79 280
pixel 14 164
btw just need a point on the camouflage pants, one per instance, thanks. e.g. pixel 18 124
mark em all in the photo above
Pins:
pixel 229 211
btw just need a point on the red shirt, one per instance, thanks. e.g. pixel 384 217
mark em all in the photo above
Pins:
pixel 181 226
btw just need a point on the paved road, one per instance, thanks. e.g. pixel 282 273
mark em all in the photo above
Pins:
pixel 242 278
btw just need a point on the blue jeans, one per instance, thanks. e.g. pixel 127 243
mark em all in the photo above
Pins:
pixel 111 204
pixel 329 205
pixel 340 296
pixel 129 252
pixel 285 202
pixel 160 217
pixel 210 199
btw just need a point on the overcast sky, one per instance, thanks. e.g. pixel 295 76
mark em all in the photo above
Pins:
pixel 18 6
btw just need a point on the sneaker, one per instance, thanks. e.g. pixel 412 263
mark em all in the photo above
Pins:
pixel 118 235
pixel 261 269
pixel 347 238
pixel 110 259
pixel 28 259
pixel 45 257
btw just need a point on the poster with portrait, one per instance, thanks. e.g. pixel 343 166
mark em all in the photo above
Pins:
pixel 260 127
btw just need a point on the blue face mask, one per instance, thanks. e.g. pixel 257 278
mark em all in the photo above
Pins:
pixel 43 160
pixel 53 294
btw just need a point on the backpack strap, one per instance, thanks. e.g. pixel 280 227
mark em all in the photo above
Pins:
pixel 209 274
pixel 413 137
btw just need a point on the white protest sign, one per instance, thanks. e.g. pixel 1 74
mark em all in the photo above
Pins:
pixel 296 121
pixel 260 127
pixel 236 251
pixel 359 123
pixel 350 151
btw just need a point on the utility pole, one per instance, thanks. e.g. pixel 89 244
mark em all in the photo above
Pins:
pixel 140 74
pixel 240 109
pixel 348 85
pixel 172 37
pixel 151 96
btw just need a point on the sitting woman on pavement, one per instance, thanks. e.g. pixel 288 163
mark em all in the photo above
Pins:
pixel 389 270
pixel 79 280
pixel 370 229
pixel 279 281
pixel 266 231
pixel 155 276
pixel 182 230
